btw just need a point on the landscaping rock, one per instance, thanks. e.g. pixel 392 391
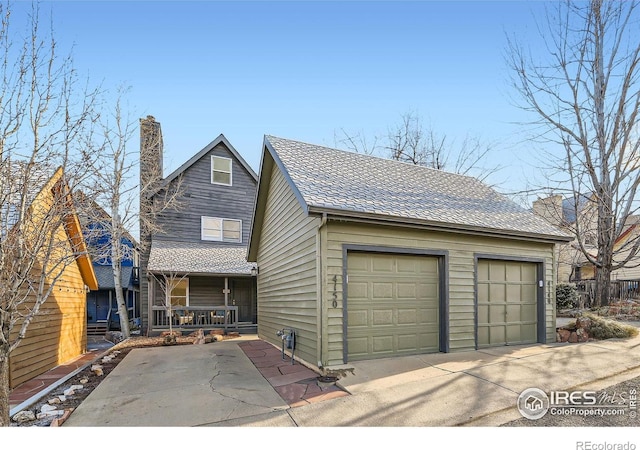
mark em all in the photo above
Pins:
pixel 24 416
pixel 583 335
pixel 71 390
pixel 564 334
pixel 97 370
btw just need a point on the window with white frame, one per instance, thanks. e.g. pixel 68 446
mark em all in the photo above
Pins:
pixel 180 293
pixel 221 170
pixel 219 229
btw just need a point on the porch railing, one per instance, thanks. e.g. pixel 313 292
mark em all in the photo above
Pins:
pixel 195 317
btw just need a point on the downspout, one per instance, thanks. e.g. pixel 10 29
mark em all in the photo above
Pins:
pixel 319 288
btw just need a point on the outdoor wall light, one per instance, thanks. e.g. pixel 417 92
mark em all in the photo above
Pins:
pixel 254 271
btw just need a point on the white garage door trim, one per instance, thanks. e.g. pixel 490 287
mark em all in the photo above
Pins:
pixel 443 288
pixel 540 297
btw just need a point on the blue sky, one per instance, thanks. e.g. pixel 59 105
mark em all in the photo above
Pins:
pixel 304 70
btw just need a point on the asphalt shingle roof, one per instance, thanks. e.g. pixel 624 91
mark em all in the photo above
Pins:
pixel 104 275
pixel 330 179
pixel 197 257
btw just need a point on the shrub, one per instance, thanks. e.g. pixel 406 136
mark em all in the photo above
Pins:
pixel 566 296
pixel 601 328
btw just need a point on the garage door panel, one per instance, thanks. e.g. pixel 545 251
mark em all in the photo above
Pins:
pixel 382 291
pixel 429 290
pixel 382 344
pixel 483 293
pixel 497 335
pixel 407 342
pixel 529 310
pixel 513 273
pixel 529 332
pixel 406 290
pixel 358 289
pixel 408 316
pixel 382 265
pixel 514 293
pixel 497 293
pixel 506 303
pixel 401 304
pixel 497 271
pixel 513 332
pixel 358 318
pixel 358 263
pixel 514 313
pixel 529 272
pixel 496 313
pixel 382 317
pixel 358 345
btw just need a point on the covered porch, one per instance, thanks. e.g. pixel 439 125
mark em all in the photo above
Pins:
pixel 199 286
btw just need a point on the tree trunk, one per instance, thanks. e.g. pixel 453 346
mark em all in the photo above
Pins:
pixel 4 386
pixel 123 312
pixel 603 287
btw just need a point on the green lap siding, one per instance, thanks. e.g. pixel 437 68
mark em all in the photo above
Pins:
pixel 287 282
pixel 460 274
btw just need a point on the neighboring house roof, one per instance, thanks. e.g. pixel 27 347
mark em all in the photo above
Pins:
pixel 569 213
pixel 220 139
pixel 366 187
pixel 38 183
pixel 104 275
pixel 18 174
pixel 197 258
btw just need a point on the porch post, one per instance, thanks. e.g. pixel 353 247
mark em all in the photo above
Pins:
pixel 226 291
pixel 226 299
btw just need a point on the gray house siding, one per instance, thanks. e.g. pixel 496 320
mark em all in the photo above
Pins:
pixel 202 198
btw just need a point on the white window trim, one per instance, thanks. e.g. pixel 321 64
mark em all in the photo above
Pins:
pixel 230 171
pixel 186 300
pixel 222 239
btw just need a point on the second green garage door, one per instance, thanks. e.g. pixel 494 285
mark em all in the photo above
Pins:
pixel 392 305
pixel 507 302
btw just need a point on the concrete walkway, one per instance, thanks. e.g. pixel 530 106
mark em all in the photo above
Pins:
pixel 218 385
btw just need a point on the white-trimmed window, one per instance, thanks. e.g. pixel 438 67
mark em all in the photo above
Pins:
pixel 180 293
pixel 219 229
pixel 221 170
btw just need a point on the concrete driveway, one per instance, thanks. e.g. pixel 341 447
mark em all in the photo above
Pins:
pixel 217 385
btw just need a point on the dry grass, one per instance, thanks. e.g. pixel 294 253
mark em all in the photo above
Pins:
pixel 602 328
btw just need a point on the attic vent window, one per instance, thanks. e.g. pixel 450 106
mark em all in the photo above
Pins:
pixel 221 170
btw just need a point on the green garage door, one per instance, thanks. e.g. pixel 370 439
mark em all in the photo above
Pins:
pixel 507 303
pixel 392 305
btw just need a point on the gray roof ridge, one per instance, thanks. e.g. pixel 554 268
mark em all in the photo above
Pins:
pixel 221 138
pixel 382 159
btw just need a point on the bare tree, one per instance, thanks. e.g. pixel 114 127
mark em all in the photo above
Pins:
pixel 115 193
pixel 411 142
pixel 167 282
pixel 356 142
pixel 584 96
pixel 43 113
